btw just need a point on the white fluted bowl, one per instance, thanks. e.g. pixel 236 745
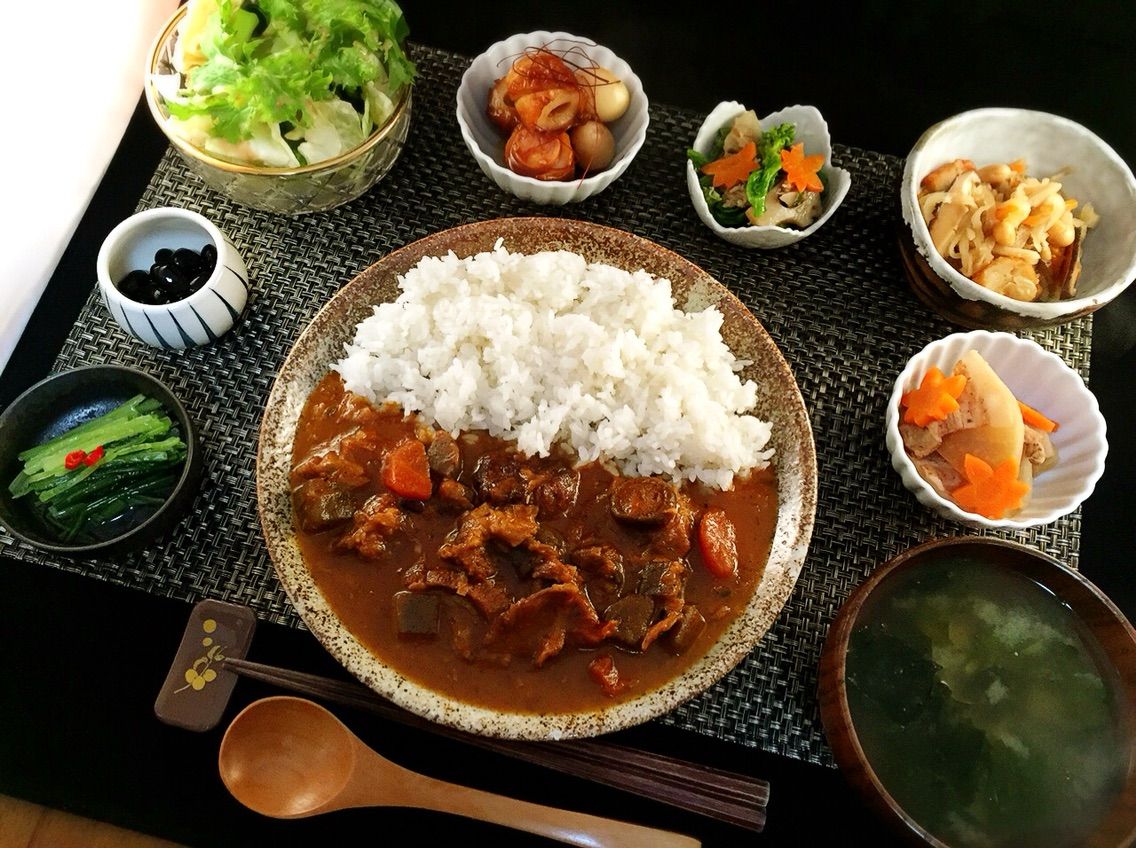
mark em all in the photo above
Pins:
pixel 487 144
pixel 1038 378
pixel 811 129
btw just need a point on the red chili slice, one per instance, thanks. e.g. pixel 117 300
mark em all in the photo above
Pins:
pixel 74 459
pixel 94 456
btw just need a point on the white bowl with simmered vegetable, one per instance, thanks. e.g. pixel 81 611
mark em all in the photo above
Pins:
pixel 1017 398
pixel 751 205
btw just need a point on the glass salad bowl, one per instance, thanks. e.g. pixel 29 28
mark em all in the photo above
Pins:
pixel 286 190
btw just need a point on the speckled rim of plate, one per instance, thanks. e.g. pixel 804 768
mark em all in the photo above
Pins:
pixel 779 401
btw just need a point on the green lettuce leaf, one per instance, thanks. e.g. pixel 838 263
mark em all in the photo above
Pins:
pixel 273 62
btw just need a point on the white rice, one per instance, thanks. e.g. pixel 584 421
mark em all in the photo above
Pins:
pixel 548 348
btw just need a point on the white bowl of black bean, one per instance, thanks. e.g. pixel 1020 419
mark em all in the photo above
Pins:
pixel 171 278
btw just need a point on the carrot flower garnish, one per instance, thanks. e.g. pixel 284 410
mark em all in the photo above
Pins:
pixel 990 492
pixel 801 170
pixel 935 399
pixel 730 170
pixel 1035 419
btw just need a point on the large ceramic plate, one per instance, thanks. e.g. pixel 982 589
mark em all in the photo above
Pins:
pixel 779 401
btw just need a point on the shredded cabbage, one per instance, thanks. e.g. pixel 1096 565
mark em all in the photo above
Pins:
pixel 286 82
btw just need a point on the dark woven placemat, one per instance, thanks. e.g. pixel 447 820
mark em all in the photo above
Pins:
pixel 837 304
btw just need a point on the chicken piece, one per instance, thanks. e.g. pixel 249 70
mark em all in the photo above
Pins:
pixel 1038 448
pixel 943 477
pixel 921 441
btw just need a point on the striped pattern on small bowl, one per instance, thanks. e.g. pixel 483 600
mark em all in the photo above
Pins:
pixel 199 319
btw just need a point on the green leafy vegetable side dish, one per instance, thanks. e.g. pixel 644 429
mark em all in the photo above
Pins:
pixel 284 83
pixel 125 459
pixel 746 203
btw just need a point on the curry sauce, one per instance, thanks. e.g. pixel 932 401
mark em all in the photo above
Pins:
pixel 527 584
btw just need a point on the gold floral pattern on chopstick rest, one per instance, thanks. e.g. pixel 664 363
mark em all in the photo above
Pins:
pixel 197 687
pixel 201 672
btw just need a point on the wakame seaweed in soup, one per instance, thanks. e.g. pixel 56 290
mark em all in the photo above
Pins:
pixel 986 708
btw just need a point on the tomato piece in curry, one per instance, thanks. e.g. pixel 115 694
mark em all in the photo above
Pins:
pixel 527 584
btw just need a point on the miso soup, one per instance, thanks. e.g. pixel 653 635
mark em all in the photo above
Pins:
pixel 987 710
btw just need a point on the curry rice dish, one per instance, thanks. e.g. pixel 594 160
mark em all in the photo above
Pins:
pixel 540 580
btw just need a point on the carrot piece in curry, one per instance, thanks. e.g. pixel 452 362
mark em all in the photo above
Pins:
pixel 717 541
pixel 935 399
pixel 801 170
pixel 1035 419
pixel 603 671
pixel 406 471
pixel 990 492
pixel 731 170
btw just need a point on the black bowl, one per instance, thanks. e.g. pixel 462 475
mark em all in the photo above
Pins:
pixel 62 401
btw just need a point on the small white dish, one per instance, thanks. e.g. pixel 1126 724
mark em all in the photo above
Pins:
pixel 487 144
pixel 1037 378
pixel 810 129
pixel 198 319
pixel 1048 143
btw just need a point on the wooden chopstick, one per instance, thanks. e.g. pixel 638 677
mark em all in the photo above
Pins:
pixel 725 796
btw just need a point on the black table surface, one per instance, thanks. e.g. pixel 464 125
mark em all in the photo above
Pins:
pixel 82 660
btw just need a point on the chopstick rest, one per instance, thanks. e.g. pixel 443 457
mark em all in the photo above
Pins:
pixel 198 686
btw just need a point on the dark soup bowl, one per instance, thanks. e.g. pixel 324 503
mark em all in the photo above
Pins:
pixel 977 692
pixel 144 487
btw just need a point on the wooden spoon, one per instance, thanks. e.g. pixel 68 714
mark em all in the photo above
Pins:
pixel 289 757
